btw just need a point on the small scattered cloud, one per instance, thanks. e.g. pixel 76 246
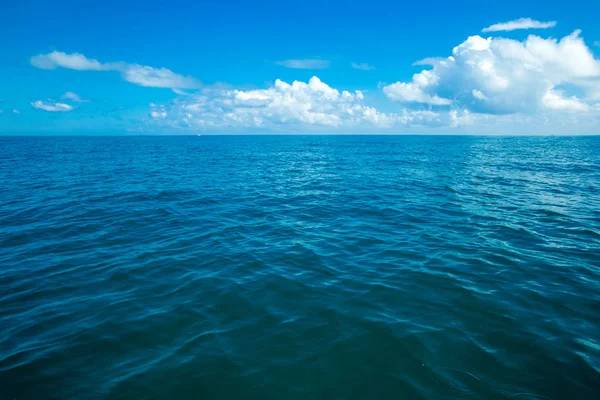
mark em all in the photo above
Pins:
pixel 597 43
pixel 73 97
pixel 134 73
pixel 307 63
pixel 13 111
pixel 74 61
pixel 52 106
pixel 158 112
pixel 158 77
pixel 363 66
pixel 478 94
pixel 7 111
pixel 521 23
pixel 180 92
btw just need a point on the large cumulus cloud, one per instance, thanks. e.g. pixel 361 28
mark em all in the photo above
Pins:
pixel 312 103
pixel 506 76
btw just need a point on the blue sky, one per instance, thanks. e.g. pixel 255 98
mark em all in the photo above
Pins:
pixel 77 67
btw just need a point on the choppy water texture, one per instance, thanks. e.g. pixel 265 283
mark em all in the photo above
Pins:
pixel 304 267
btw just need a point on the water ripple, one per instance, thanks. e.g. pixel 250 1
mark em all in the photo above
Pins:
pixel 300 267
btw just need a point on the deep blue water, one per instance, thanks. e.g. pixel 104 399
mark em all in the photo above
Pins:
pixel 300 267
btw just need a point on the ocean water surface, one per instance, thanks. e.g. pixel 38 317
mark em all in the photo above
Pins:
pixel 299 267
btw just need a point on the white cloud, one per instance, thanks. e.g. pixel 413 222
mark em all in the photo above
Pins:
pixel 412 92
pixel 314 106
pixel 363 66
pixel 479 95
pixel 51 106
pixel 460 118
pixel 505 76
pixel 153 77
pixel 13 111
pixel 158 111
pixel 311 106
pixel 300 104
pixel 158 114
pixel 307 63
pixel 75 61
pixel 134 73
pixel 179 92
pixel 554 99
pixel 73 97
pixel 521 23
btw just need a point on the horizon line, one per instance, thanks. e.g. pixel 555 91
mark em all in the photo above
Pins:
pixel 309 134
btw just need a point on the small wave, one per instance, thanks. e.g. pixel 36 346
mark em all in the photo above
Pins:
pixel 350 268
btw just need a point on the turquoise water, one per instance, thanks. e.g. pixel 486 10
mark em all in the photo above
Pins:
pixel 321 267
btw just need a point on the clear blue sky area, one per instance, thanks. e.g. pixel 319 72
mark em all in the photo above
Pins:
pixel 220 48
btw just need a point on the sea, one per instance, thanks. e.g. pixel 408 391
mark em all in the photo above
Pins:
pixel 299 267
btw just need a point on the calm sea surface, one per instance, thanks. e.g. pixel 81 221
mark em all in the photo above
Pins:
pixel 300 267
